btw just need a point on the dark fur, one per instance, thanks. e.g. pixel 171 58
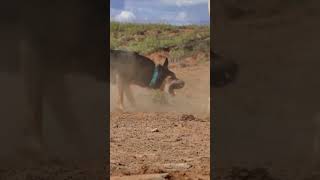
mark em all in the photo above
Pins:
pixel 224 71
pixel 136 69
pixel 54 39
pixel 128 68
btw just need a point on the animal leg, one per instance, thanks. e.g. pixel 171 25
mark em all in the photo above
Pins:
pixel 58 100
pixel 33 75
pixel 120 85
pixel 129 95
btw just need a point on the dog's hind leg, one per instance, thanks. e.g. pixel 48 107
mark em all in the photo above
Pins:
pixel 129 95
pixel 120 84
pixel 112 76
pixel 58 99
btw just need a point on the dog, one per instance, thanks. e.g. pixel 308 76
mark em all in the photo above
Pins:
pixel 58 39
pixel 45 82
pixel 127 68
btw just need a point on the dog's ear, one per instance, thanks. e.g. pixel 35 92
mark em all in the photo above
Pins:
pixel 166 63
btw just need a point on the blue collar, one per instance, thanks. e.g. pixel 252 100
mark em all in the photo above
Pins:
pixel 154 77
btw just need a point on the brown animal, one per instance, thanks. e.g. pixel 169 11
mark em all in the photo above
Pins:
pixel 58 38
pixel 129 68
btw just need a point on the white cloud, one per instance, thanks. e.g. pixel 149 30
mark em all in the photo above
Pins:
pixel 184 2
pixel 182 16
pixel 125 16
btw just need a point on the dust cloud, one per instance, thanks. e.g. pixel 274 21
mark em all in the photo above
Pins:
pixel 193 98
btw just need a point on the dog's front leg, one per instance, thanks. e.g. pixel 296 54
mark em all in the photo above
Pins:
pixel 120 85
pixel 129 95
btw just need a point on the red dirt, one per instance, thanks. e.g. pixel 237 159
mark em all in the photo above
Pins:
pixel 172 139
pixel 145 143
pixel 160 56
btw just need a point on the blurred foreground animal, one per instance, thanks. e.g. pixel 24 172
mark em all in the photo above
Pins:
pixel 58 38
pixel 224 71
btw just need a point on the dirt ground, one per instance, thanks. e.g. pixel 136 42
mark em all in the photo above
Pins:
pixel 173 138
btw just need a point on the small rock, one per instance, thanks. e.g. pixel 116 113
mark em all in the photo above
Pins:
pixel 177 166
pixel 113 162
pixel 189 159
pixel 120 164
pixel 155 130
pixel 162 176
pixel 139 156
pixel 187 117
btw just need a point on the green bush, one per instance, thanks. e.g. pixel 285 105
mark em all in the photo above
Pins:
pixel 182 41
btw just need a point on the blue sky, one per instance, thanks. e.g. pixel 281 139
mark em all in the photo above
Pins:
pixel 178 12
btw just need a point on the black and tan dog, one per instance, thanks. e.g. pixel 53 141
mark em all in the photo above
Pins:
pixel 55 39
pixel 129 68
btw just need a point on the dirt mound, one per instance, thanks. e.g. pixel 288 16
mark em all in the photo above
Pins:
pixel 159 56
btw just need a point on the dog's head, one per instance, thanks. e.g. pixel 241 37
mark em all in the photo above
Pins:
pixel 168 82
